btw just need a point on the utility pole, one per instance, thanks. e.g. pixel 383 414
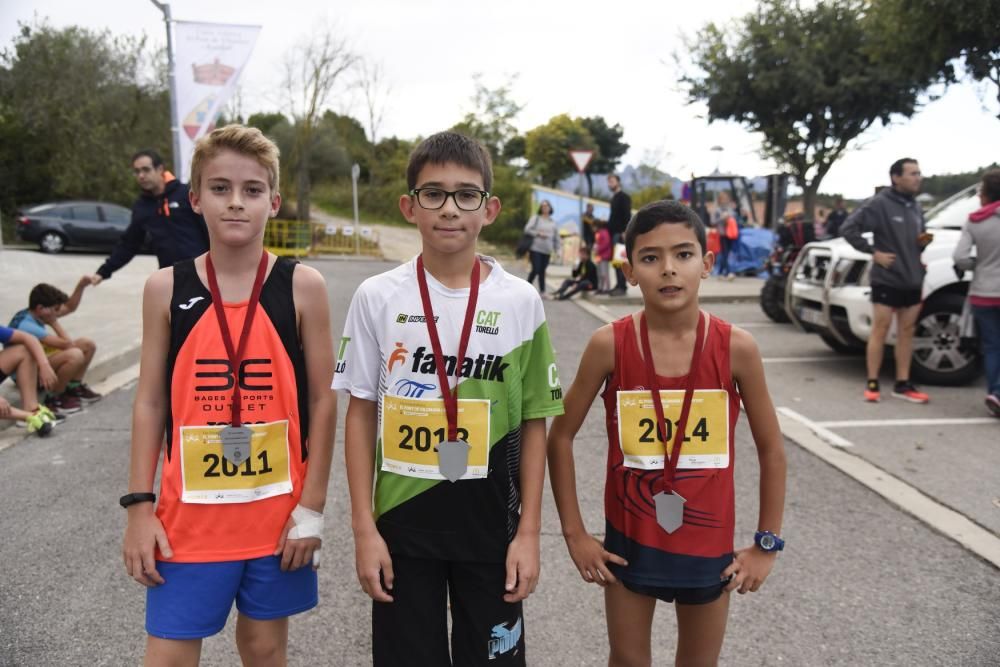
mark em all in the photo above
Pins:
pixel 172 79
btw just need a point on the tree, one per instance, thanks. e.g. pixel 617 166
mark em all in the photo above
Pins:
pixel 266 121
pixel 927 37
pixel 312 70
pixel 375 92
pixel 803 78
pixel 75 104
pixel 610 148
pixel 492 119
pixel 547 147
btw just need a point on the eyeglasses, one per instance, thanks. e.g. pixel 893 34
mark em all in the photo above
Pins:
pixel 434 198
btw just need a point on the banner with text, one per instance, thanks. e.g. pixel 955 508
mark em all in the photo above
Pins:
pixel 208 61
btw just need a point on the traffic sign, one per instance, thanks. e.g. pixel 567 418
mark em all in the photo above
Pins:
pixel 581 159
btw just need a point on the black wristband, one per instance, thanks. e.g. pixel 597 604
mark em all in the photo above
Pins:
pixel 133 498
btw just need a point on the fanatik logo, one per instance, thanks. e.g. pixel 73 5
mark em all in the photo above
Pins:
pixel 398 356
pixel 489 367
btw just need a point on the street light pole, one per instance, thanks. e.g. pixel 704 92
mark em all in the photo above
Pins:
pixel 172 80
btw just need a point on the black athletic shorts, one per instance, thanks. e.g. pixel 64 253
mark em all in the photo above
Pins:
pixel 413 629
pixel 894 297
pixel 679 595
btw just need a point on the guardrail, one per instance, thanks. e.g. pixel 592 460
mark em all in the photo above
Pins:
pixel 297 238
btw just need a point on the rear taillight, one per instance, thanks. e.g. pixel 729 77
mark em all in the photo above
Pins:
pixel 24 220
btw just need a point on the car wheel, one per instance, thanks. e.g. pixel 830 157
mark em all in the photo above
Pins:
pixel 939 357
pixel 772 299
pixel 52 242
pixel 835 345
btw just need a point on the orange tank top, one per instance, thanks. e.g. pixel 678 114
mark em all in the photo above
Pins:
pixel 211 509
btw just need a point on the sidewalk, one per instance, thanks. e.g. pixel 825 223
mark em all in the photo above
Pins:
pixel 109 314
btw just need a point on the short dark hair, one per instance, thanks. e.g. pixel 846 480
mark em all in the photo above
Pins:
pixel 450 146
pixel 897 167
pixel 151 154
pixel 659 213
pixel 46 296
pixel 990 185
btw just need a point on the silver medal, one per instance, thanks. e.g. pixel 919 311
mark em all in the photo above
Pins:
pixel 453 459
pixel 669 510
pixel 236 443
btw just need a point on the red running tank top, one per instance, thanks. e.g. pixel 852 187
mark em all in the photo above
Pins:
pixel 695 554
pixel 200 381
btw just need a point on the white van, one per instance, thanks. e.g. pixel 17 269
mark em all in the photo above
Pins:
pixel 830 295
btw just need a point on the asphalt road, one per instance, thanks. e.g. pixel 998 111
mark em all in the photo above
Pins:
pixel 860 583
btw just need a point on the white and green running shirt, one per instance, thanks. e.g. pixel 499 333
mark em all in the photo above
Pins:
pixel 508 376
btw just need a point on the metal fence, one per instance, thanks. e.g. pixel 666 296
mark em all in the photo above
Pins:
pixel 298 239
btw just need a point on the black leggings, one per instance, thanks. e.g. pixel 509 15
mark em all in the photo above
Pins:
pixel 539 262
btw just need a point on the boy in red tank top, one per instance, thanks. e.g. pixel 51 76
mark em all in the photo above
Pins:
pixel 669 495
pixel 233 389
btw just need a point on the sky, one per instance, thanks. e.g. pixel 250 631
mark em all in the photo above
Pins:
pixel 581 57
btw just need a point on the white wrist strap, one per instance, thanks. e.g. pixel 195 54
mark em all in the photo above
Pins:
pixel 307 524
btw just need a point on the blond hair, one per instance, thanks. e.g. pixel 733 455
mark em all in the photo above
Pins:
pixel 242 140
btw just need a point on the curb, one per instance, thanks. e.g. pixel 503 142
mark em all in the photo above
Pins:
pixel 95 374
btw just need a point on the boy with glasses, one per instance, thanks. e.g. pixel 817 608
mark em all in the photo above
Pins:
pixel 451 374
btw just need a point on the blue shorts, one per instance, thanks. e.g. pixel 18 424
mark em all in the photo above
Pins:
pixel 195 599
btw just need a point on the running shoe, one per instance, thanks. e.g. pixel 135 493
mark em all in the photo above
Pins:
pixel 993 403
pixel 83 392
pixel 872 393
pixel 36 423
pixel 908 392
pixel 64 404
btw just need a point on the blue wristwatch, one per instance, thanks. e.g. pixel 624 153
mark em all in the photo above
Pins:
pixel 768 541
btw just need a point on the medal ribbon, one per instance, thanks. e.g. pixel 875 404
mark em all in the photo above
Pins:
pixel 670 462
pixel 450 399
pixel 236 356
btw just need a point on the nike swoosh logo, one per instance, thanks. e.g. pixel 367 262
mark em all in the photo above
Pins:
pixel 190 304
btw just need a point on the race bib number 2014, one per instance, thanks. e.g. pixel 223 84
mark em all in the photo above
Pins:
pixel 412 428
pixel 209 478
pixel 705 442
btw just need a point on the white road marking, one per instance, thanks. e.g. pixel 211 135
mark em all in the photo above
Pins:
pixel 945 520
pixel 942 421
pixel 799 360
pixel 819 431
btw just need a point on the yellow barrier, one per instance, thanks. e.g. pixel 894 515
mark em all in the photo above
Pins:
pixel 297 239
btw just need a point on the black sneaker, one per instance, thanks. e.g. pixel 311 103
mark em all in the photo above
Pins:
pixel 63 404
pixel 83 392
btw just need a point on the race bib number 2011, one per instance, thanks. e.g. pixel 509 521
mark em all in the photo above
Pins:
pixel 209 478
pixel 705 442
pixel 412 428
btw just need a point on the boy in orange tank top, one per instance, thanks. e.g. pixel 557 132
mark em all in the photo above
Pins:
pixel 669 509
pixel 236 360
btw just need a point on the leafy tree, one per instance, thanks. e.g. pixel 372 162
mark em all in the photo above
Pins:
pixel 312 70
pixel 547 147
pixel 610 148
pixel 803 78
pixel 492 119
pixel 74 106
pixel 927 37
pixel 265 122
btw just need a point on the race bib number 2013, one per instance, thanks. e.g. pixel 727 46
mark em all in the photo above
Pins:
pixel 705 442
pixel 209 478
pixel 412 428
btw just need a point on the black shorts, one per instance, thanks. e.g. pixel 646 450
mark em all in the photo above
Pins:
pixel 895 297
pixel 679 595
pixel 413 628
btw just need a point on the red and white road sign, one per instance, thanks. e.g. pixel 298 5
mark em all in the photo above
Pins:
pixel 581 159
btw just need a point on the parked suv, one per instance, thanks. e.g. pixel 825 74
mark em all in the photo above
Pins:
pixel 82 224
pixel 830 295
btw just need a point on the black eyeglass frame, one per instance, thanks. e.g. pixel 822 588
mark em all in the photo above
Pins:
pixel 483 194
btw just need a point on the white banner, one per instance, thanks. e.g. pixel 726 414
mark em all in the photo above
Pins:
pixel 208 61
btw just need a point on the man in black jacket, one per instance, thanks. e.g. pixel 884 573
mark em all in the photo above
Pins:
pixel 621 213
pixel 896 222
pixel 163 214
